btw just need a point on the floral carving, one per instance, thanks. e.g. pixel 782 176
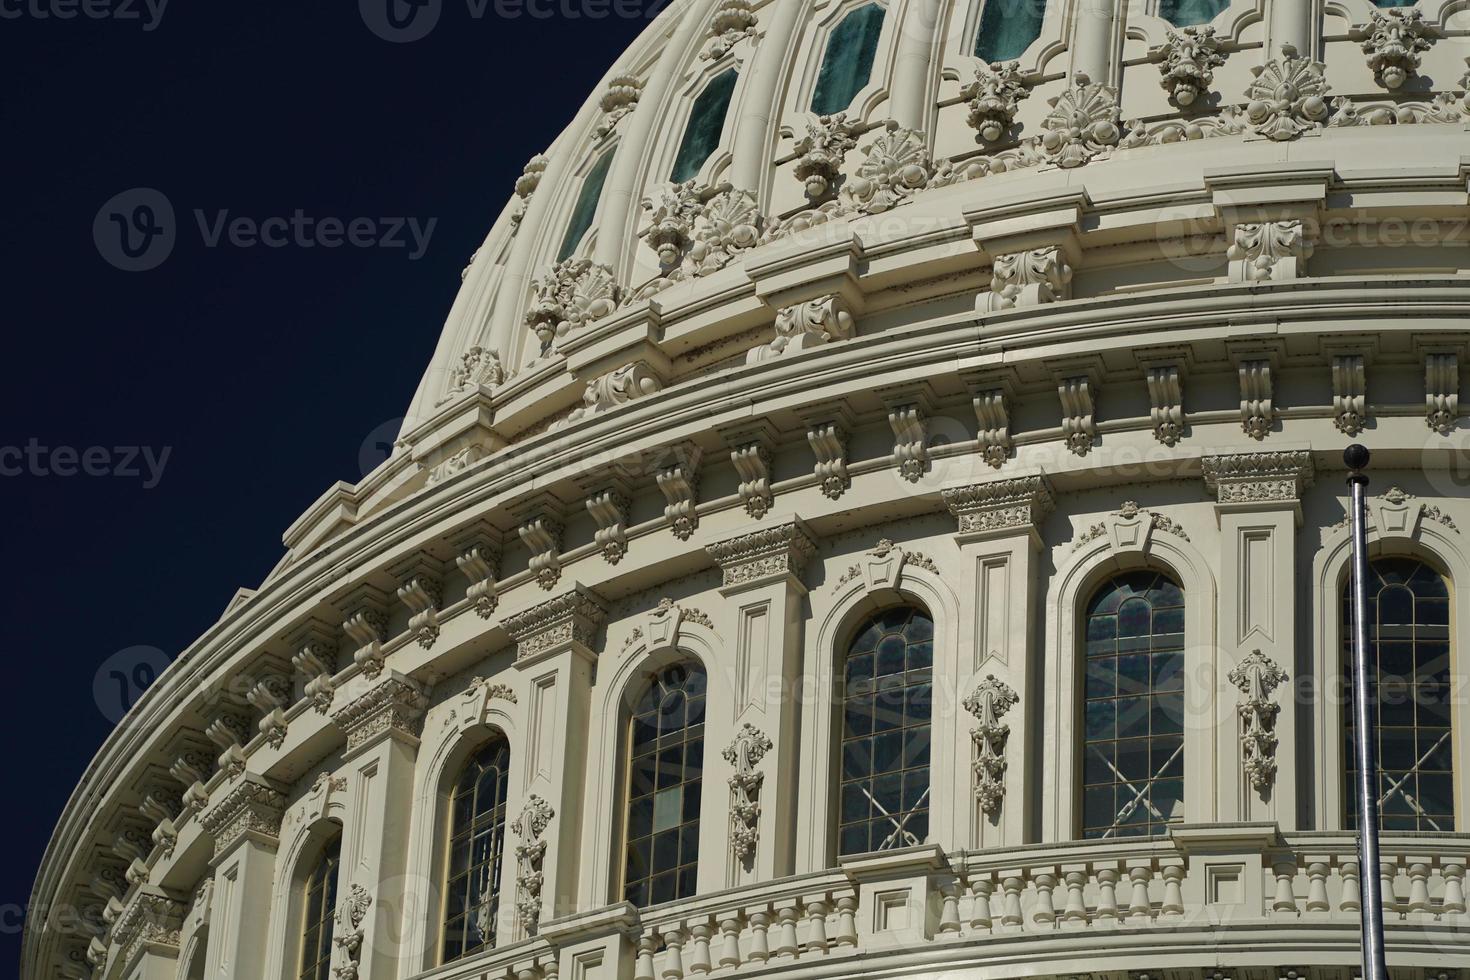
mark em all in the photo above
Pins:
pixel 620 99
pixel 350 931
pixel 745 752
pixel 1443 108
pixel 1187 60
pixel 1082 124
pixel 1038 275
pixel 1288 96
pixel 1264 251
pixel 732 22
pixel 994 99
pixel 1394 38
pixel 821 153
pixel 615 389
pixel 1257 676
pixel 573 293
pixel 526 185
pixel 1229 122
pixel 895 167
pixel 697 230
pixel 806 325
pixel 530 827
pixel 476 367
pixel 988 703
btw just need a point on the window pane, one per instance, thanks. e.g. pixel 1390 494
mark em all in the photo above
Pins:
pixel 847 63
pixel 1186 13
pixel 476 846
pixel 706 121
pixel 320 889
pixel 586 208
pixel 1008 28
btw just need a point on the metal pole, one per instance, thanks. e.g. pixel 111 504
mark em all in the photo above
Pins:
pixel 1364 700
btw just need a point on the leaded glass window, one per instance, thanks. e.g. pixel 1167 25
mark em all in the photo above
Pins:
pixel 665 769
pixel 887 695
pixel 1409 667
pixel 321 905
pixel 706 122
pixel 586 208
pixel 1186 13
pixel 1133 707
pixel 1008 28
pixel 847 63
pixel 476 845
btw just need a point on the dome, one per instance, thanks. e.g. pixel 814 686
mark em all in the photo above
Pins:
pixel 876 504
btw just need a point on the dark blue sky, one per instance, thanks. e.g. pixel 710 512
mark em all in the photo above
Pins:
pixel 261 371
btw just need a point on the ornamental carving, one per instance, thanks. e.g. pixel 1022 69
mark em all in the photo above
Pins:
pixel 453 465
pixel 620 99
pixel 744 753
pixel 732 22
pixel 572 294
pixel 993 418
pixel 1257 677
pixel 1257 409
pixel 995 97
pixel 1082 125
pixel 776 551
pixel 696 230
pixel 1441 391
pixel 1020 503
pixel 479 562
pixel 526 185
pixel 820 155
pixel 1131 511
pixel 250 807
pixel 1349 393
pixel 679 483
pixel 391 707
pixel 350 931
pixel 530 827
pixel 1258 477
pixel 608 507
pixel 570 619
pixel 315 659
pixel 1442 108
pixel 1229 121
pixel 1187 60
pixel 895 167
pixel 815 323
pixel 1029 278
pixel 1079 413
pixel 1288 96
pixel 1269 251
pixel 988 703
pixel 1393 40
pixel 828 440
pixel 150 920
pixel 1166 402
pixel 477 367
pixel 614 390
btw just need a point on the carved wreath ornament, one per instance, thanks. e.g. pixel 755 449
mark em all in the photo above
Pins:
pixel 1257 676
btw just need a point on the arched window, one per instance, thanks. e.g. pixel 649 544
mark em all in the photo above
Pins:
pixel 886 698
pixel 665 769
pixel 1133 708
pixel 1008 28
pixel 476 844
pixel 706 122
pixel 1409 666
pixel 1187 13
pixel 321 905
pixel 586 208
pixel 847 62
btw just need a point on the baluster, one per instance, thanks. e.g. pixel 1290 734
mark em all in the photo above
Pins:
pixel 949 912
pixel 1173 890
pixel 674 954
pixel 786 944
pixel 981 888
pixel 1075 912
pixel 760 950
pixel 1454 887
pixel 847 920
pixel 1419 887
pixel 1349 901
pixel 1107 888
pixel 730 942
pixel 699 955
pixel 1285 872
pixel 1045 912
pixel 646 945
pixel 816 925
pixel 1139 905
pixel 1011 916
pixel 1317 887
pixel 1386 871
pixel 550 968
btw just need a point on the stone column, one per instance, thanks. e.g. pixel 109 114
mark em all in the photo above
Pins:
pixel 380 720
pixel 999 544
pixel 554 647
pixel 914 64
pixel 246 826
pixel 147 935
pixel 754 135
pixel 1095 41
pixel 1258 510
pixel 762 620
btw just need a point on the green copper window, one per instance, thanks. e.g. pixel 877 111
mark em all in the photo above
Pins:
pixel 1409 668
pixel 665 771
pixel 586 209
pixel 1133 708
pixel 706 121
pixel 321 905
pixel 476 846
pixel 887 696
pixel 847 64
pixel 1008 28
pixel 1186 13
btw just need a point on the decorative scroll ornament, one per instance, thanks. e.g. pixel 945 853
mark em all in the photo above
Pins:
pixel 1257 676
pixel 615 389
pixel 1394 38
pixel 530 827
pixel 476 367
pixel 1187 60
pixel 573 293
pixel 1441 391
pixel 350 931
pixel 1288 96
pixel 1230 121
pixel 895 167
pixel 696 230
pixel 805 325
pixel 821 153
pixel 620 99
pixel 1082 124
pixel 988 703
pixel 1269 251
pixel 1443 108
pixel 526 185
pixel 745 752
pixel 1349 393
pixel 733 21
pixel 1029 278
pixel 995 98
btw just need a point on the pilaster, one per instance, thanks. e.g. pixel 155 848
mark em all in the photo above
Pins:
pixel 147 936
pixel 246 825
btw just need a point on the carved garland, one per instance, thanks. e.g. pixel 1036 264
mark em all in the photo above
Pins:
pixel 745 752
